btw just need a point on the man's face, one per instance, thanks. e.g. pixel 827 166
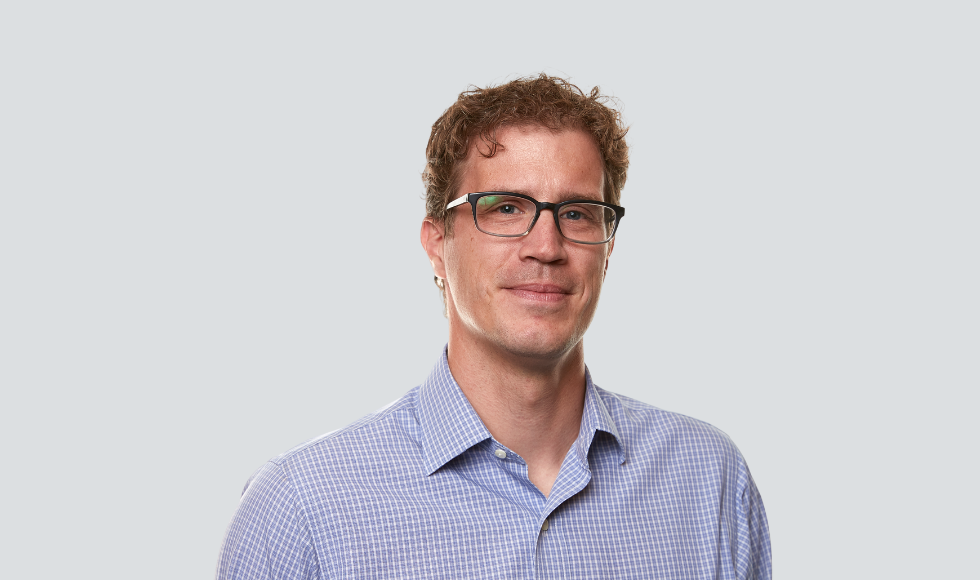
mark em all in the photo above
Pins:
pixel 532 296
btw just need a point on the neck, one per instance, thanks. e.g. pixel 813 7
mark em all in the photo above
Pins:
pixel 531 405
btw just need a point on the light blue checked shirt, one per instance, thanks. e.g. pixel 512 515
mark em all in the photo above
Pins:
pixel 421 489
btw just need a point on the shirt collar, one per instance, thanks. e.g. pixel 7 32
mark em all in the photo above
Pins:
pixel 450 425
pixel 595 417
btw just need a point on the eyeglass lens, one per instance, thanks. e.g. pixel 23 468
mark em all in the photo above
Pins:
pixel 512 216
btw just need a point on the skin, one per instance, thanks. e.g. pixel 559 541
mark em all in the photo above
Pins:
pixel 519 307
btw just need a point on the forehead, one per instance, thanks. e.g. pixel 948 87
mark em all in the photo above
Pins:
pixel 549 165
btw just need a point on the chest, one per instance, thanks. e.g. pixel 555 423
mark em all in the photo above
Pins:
pixel 482 523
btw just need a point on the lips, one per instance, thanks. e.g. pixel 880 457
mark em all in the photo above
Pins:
pixel 540 292
pixel 541 288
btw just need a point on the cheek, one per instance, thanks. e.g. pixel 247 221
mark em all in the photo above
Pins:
pixel 595 276
pixel 597 267
pixel 468 267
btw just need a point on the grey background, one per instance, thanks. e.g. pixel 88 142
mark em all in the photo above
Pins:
pixel 208 252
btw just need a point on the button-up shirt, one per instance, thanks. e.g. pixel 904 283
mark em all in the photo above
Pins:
pixel 421 489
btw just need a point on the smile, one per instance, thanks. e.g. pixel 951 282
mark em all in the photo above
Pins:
pixel 540 292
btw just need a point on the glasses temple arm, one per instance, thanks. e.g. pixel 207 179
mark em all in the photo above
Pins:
pixel 459 201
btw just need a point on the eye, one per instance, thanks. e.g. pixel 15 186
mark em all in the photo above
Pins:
pixel 500 204
pixel 572 215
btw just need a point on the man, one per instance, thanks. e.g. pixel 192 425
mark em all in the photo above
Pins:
pixel 508 461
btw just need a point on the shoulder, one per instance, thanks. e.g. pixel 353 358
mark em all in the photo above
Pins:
pixel 651 432
pixel 697 471
pixel 361 449
pixel 278 514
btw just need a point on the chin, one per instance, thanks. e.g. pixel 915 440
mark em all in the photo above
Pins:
pixel 538 345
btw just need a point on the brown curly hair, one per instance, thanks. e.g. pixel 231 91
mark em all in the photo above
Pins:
pixel 550 102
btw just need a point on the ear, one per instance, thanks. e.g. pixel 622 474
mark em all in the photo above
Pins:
pixel 612 244
pixel 433 236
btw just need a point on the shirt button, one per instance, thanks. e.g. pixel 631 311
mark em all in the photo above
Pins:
pixel 544 526
pixel 500 453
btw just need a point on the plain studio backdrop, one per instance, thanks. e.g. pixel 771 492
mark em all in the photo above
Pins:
pixel 209 242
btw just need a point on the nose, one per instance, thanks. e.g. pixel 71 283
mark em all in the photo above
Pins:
pixel 544 242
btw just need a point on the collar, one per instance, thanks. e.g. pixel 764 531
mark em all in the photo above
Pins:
pixel 596 417
pixel 450 425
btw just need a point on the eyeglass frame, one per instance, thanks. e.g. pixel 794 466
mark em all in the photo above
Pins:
pixel 539 205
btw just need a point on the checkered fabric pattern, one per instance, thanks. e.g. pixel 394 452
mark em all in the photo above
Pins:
pixel 421 489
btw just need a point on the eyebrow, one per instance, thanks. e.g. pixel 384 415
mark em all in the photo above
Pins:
pixel 561 197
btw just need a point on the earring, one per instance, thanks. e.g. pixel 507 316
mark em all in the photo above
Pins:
pixel 440 282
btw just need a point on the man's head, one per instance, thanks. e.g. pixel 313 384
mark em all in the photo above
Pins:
pixel 532 295
pixel 544 101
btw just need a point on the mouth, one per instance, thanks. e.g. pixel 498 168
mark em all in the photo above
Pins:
pixel 540 292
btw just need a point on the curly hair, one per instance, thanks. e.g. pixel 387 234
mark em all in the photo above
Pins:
pixel 550 102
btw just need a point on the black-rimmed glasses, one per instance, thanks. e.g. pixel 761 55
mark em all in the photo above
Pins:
pixel 511 215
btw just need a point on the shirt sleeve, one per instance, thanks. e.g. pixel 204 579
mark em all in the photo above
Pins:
pixel 269 536
pixel 754 553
